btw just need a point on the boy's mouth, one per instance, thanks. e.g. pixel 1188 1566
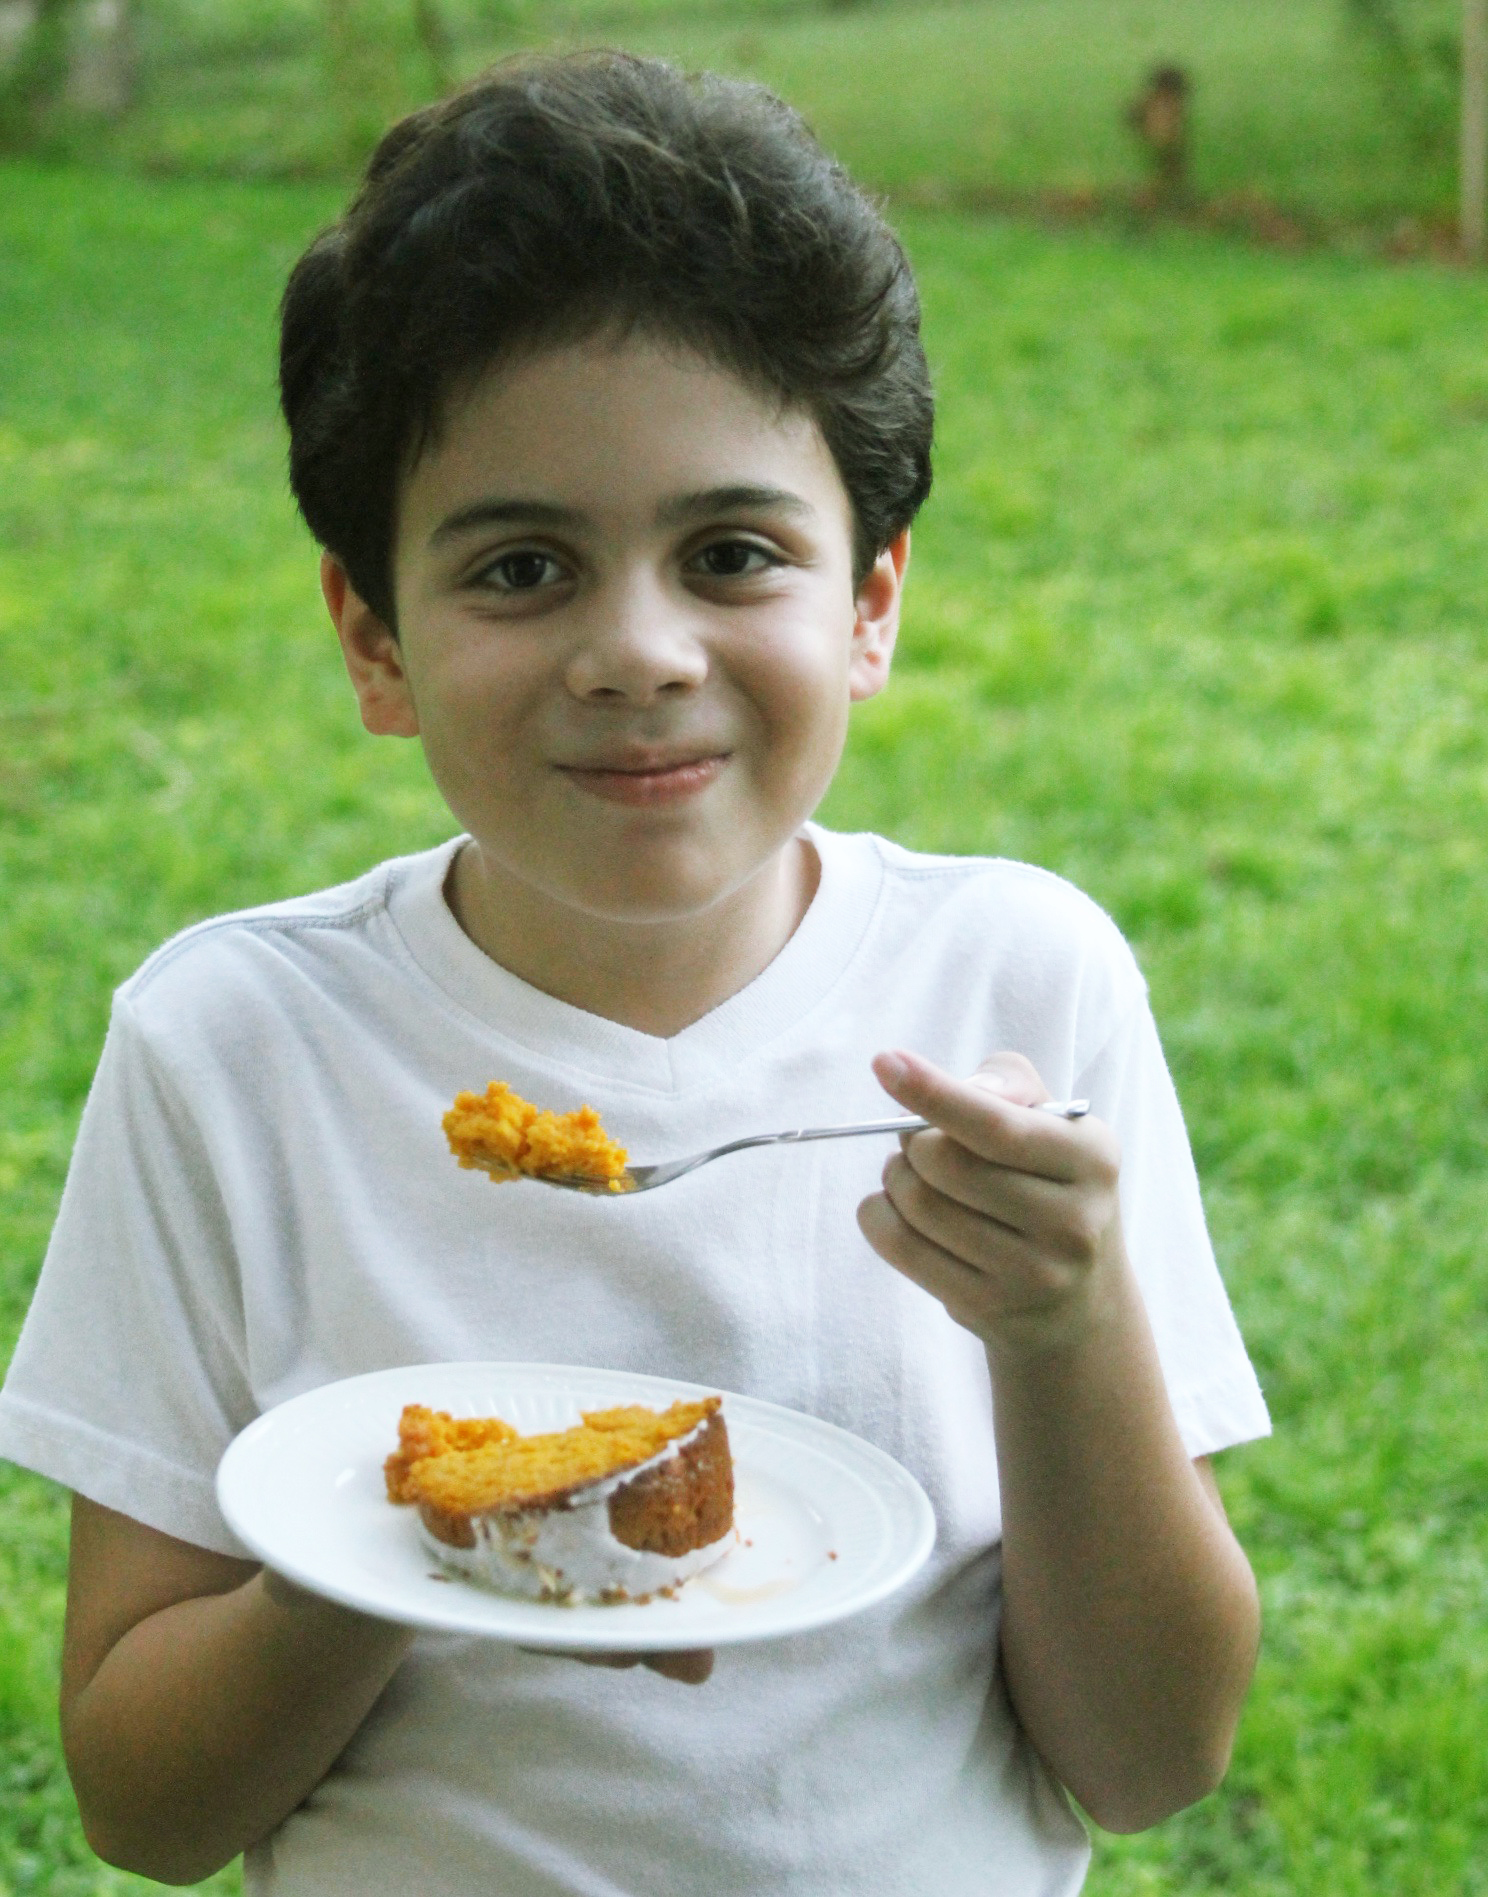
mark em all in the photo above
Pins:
pixel 646 783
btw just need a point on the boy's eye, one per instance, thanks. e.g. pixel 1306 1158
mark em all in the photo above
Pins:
pixel 733 559
pixel 520 572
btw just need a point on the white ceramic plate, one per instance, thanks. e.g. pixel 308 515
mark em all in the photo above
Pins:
pixel 828 1525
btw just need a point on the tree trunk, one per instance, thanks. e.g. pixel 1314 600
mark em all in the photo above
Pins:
pixel 1474 168
pixel 434 36
pixel 361 68
pixel 37 77
pixel 101 69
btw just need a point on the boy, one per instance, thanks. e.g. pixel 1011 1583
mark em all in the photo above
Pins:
pixel 608 406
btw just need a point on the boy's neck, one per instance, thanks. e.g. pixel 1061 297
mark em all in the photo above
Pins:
pixel 656 977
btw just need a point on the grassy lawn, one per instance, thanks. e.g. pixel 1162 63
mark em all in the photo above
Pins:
pixel 1197 620
pixel 1011 97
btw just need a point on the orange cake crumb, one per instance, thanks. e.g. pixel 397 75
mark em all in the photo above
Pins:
pixel 506 1136
pixel 462 1472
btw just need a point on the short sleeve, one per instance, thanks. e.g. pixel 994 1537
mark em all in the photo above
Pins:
pixel 129 1379
pixel 1211 1385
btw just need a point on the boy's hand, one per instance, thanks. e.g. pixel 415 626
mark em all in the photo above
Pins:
pixel 1009 1217
pixel 692 1665
pixel 1129 1616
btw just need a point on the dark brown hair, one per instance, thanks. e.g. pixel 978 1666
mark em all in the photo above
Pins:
pixel 561 195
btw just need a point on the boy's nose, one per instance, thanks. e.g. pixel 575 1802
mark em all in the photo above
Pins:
pixel 640 643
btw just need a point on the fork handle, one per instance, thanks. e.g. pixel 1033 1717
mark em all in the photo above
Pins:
pixel 911 1125
pixel 1065 1109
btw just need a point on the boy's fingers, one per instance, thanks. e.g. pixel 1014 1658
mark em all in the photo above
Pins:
pixel 973 1224
pixel 586 1659
pixel 692 1666
pixel 1027 1202
pixel 978 1115
pixel 962 1288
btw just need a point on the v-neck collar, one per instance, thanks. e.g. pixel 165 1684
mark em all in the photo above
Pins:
pixel 801 975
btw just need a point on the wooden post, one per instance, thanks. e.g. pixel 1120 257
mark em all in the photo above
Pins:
pixel 1474 164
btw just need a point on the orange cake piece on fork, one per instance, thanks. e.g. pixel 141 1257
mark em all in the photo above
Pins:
pixel 507 1137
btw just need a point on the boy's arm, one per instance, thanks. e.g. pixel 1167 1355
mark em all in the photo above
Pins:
pixel 1130 1620
pixel 203 1698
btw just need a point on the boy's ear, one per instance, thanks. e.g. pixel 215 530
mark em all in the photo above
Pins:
pixel 877 624
pixel 373 657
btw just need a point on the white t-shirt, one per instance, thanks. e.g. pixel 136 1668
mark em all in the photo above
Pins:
pixel 261 1200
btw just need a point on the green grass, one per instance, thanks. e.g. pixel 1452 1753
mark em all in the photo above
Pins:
pixel 1197 618
pixel 1021 97
pixel 1010 98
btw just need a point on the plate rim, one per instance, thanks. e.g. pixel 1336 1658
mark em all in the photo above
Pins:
pixel 565 1633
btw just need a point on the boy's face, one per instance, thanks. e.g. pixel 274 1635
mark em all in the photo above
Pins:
pixel 628 631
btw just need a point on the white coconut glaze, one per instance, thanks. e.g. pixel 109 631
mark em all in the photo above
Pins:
pixel 568 1553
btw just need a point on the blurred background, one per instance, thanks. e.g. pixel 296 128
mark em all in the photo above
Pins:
pixel 1314 114
pixel 1197 619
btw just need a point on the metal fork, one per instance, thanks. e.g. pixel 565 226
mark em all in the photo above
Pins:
pixel 647 1178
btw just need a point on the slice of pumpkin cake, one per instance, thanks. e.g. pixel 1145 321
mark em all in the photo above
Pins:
pixel 630 1503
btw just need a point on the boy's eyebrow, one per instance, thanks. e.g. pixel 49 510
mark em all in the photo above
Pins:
pixel 673 513
pixel 724 500
pixel 493 513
